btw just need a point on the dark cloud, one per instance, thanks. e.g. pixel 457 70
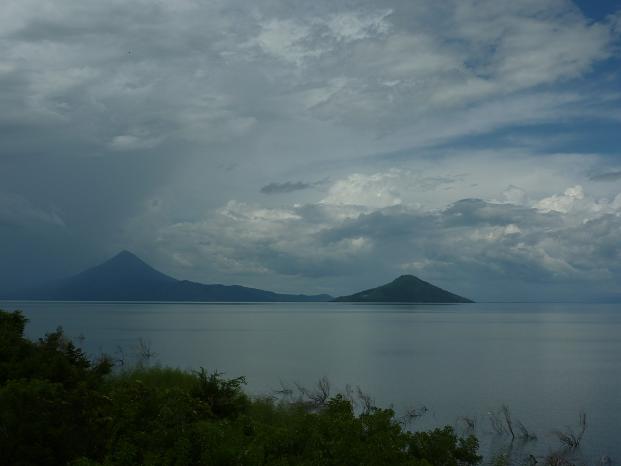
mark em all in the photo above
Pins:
pixel 120 119
pixel 609 176
pixel 286 187
pixel 393 224
pixel 477 212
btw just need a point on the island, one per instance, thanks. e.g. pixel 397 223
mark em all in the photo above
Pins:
pixel 405 289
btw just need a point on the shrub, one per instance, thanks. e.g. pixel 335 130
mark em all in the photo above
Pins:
pixel 57 408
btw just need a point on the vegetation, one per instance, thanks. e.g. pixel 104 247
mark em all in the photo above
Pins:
pixel 502 423
pixel 57 407
pixel 571 439
pixel 405 289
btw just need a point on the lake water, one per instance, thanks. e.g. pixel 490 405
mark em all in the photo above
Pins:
pixel 546 362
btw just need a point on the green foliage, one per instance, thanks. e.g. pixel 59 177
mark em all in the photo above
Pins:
pixel 500 460
pixel 58 408
pixel 443 447
pixel 158 377
pixel 223 397
pixel 51 410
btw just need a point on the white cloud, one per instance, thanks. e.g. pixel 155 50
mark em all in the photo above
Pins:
pixel 362 224
pixel 296 41
pixel 561 203
pixel 355 26
pixel 373 191
pixel 515 195
pixel 284 39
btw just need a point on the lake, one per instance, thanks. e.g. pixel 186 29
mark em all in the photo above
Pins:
pixel 546 362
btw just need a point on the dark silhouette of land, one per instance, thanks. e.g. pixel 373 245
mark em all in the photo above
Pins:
pixel 126 277
pixel 405 289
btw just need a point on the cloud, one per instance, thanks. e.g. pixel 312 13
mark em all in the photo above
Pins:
pixel 384 189
pixel 286 187
pixel 558 239
pixel 609 176
pixel 375 190
pixel 125 142
pixel 118 76
pixel 561 203
pixel 411 110
pixel 297 41
pixel 16 211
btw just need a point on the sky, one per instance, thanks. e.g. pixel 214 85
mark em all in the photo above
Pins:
pixel 317 147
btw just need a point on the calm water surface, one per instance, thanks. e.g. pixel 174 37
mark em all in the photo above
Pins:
pixel 547 362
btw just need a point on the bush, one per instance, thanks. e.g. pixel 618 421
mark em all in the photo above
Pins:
pixel 58 408
pixel 51 408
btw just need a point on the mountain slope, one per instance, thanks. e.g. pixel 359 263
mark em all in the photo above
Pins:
pixel 125 277
pixel 405 289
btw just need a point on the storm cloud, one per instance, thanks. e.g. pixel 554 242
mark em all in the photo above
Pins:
pixel 609 176
pixel 454 140
pixel 286 187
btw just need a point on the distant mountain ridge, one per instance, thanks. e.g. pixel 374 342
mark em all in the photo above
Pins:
pixel 126 277
pixel 405 289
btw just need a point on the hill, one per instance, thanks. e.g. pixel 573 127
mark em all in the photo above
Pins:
pixel 126 277
pixel 405 289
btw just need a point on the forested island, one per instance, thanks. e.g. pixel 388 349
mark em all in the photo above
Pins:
pixel 405 289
